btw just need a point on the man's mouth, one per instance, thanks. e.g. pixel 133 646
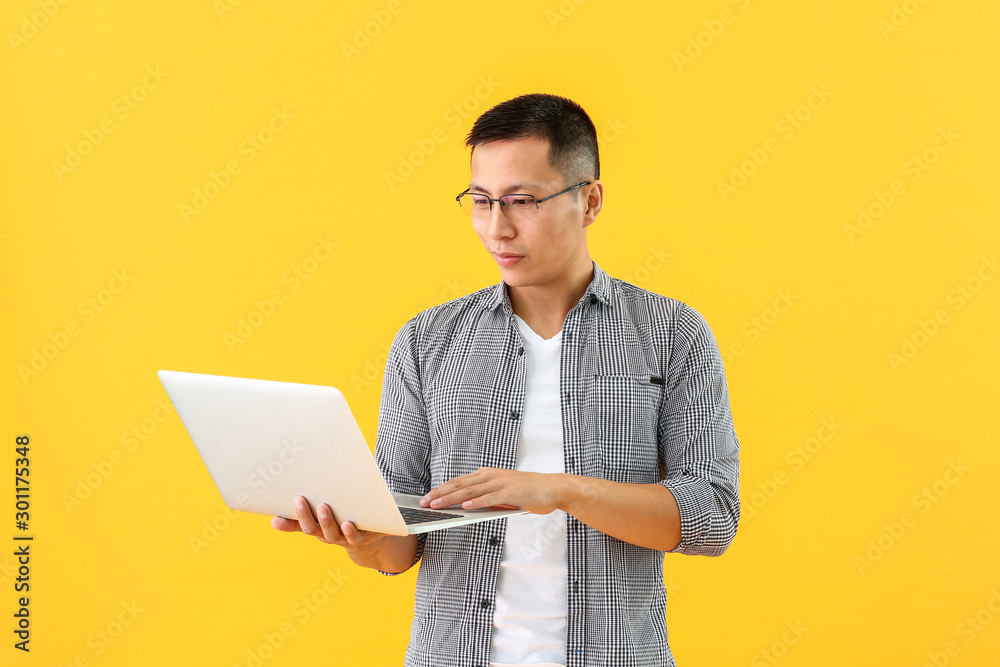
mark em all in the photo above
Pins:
pixel 507 258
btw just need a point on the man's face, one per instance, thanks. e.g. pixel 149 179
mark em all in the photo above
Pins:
pixel 548 246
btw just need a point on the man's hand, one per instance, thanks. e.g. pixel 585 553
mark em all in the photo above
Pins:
pixel 537 492
pixel 646 515
pixel 366 548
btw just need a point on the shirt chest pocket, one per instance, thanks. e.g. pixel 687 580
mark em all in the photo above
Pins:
pixel 623 415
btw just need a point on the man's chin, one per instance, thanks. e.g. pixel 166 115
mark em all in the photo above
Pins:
pixel 514 276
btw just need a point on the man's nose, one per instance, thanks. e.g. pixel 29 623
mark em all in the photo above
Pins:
pixel 499 224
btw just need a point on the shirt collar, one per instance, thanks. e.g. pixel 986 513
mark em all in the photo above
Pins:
pixel 599 289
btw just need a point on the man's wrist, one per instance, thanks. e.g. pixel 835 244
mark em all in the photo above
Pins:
pixel 574 490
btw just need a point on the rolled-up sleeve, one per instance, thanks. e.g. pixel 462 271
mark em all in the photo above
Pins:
pixel 698 443
pixel 402 444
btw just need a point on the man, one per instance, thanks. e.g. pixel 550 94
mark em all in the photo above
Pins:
pixel 600 407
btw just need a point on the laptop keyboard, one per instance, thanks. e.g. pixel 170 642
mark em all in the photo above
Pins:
pixel 411 516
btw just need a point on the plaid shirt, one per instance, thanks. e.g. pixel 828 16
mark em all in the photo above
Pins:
pixel 644 400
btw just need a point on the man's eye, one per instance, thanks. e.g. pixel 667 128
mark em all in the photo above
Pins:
pixel 521 202
pixel 480 202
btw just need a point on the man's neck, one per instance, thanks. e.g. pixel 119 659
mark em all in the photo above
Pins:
pixel 544 307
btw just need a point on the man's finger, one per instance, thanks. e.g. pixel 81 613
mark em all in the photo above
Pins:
pixel 304 514
pixel 352 534
pixel 452 485
pixel 331 531
pixel 286 525
pixel 306 519
pixel 485 500
pixel 461 495
pixel 445 492
pixel 437 492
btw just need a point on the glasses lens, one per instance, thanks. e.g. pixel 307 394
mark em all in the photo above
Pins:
pixel 477 206
pixel 519 207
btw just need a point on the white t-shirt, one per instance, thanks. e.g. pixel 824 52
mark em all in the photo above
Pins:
pixel 529 621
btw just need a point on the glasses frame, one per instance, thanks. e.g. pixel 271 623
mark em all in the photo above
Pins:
pixel 503 210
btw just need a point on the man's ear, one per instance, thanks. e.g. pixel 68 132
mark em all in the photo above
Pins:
pixel 593 202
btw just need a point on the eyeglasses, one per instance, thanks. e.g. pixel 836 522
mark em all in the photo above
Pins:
pixel 518 206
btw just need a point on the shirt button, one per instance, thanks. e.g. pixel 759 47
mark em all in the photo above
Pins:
pixel 520 351
pixel 484 603
pixel 513 414
pixel 494 541
pixel 593 298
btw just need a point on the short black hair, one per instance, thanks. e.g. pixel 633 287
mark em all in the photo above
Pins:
pixel 571 134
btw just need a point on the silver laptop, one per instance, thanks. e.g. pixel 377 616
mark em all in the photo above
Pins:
pixel 266 442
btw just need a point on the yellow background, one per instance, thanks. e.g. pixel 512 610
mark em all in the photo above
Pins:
pixel 670 131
